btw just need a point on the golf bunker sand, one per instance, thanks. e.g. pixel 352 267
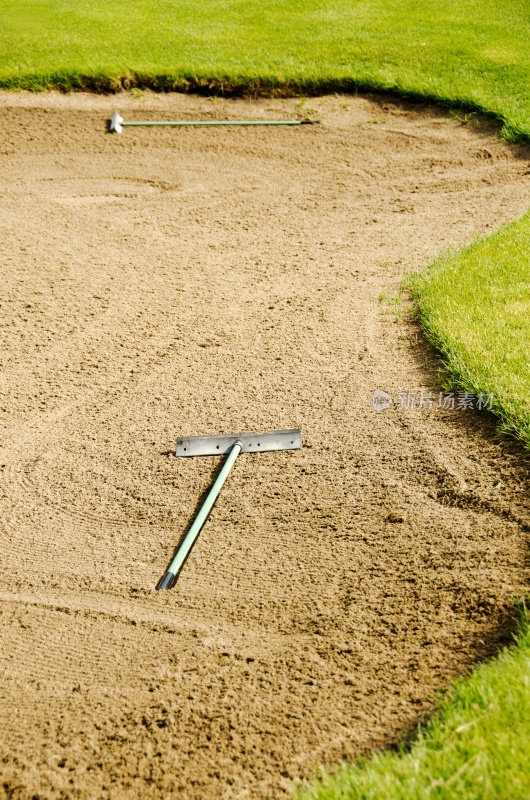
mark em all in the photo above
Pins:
pixel 164 283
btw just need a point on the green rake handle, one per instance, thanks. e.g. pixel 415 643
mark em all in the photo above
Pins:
pixel 229 122
pixel 117 123
pixel 182 553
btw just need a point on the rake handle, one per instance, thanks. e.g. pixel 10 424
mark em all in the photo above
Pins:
pixel 228 122
pixel 182 553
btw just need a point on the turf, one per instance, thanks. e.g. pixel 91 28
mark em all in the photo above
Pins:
pixel 477 59
pixel 475 307
pixel 477 747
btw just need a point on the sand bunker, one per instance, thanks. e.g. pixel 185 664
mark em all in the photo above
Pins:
pixel 189 281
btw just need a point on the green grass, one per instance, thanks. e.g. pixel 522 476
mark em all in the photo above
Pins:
pixel 472 54
pixel 475 307
pixel 477 747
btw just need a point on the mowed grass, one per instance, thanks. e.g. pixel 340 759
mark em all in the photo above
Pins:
pixel 477 747
pixel 474 55
pixel 475 307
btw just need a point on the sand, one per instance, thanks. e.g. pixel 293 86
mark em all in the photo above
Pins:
pixel 168 282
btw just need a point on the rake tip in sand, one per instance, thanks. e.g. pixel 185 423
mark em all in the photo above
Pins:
pixel 166 582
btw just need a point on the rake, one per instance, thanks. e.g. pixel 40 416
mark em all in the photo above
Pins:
pixel 231 446
pixel 117 123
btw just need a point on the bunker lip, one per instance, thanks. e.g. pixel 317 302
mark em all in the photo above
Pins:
pixel 225 279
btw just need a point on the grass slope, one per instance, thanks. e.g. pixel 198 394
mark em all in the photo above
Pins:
pixel 477 747
pixel 474 55
pixel 475 307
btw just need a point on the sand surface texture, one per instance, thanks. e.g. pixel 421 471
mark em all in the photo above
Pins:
pixel 169 282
